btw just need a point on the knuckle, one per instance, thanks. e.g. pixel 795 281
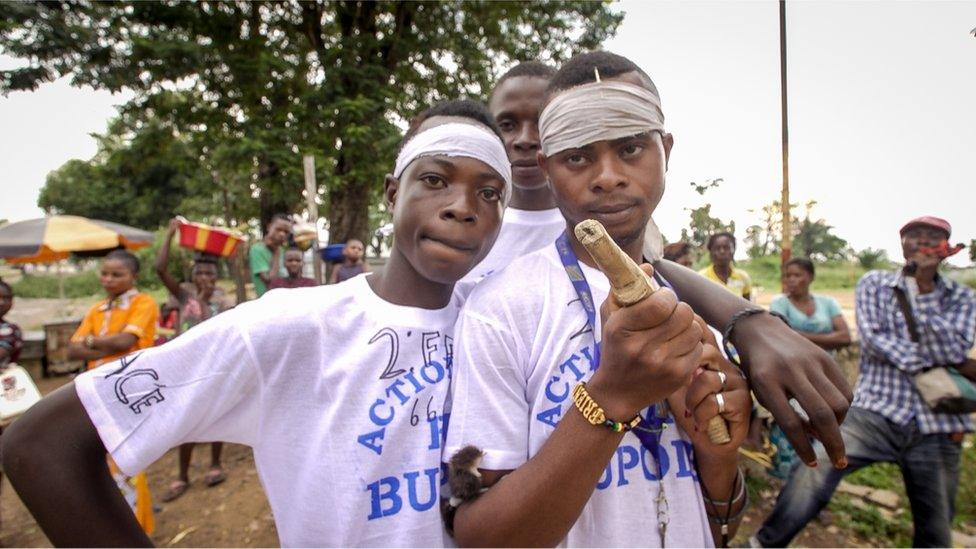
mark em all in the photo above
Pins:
pixel 822 416
pixel 790 423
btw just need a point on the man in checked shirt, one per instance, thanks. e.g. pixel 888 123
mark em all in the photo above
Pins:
pixel 888 421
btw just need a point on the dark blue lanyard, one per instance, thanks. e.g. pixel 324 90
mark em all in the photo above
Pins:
pixel 650 426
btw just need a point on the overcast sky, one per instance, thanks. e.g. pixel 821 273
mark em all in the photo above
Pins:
pixel 881 99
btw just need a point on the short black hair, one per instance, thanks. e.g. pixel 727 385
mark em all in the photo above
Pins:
pixel 803 263
pixel 716 236
pixel 125 256
pixel 535 69
pixel 582 69
pixel 5 286
pixel 203 257
pixel 464 108
pixel 280 217
pixel 295 249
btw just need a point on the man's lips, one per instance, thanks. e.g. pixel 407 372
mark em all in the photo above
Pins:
pixel 453 243
pixel 526 163
pixel 612 208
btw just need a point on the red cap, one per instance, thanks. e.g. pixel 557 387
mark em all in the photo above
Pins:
pixel 928 221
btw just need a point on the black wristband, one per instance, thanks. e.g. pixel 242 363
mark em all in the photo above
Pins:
pixel 730 349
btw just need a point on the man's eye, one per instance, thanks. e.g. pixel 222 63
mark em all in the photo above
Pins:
pixel 631 149
pixel 433 181
pixel 492 195
pixel 506 125
pixel 576 159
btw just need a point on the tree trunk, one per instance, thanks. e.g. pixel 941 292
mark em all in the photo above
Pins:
pixel 349 212
pixel 269 204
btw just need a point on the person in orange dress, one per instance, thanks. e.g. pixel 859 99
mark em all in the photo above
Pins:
pixel 122 323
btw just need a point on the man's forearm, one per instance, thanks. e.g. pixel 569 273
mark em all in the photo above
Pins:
pixel 56 461
pixel 713 303
pixel 559 480
pixel 833 340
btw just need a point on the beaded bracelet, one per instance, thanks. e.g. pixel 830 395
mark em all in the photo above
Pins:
pixel 595 415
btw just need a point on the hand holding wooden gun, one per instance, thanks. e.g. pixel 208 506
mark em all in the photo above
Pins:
pixel 711 390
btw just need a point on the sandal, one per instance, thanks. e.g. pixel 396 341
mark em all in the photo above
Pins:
pixel 214 476
pixel 175 490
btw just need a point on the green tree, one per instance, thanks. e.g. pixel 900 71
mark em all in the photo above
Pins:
pixel 275 80
pixel 815 239
pixel 870 258
pixel 702 224
pixel 139 176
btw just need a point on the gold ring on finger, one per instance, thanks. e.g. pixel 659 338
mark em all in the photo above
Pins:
pixel 722 377
pixel 721 402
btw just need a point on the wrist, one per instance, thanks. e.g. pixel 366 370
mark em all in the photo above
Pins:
pixel 615 407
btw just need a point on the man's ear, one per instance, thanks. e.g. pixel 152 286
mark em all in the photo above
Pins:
pixel 668 141
pixel 390 187
pixel 543 163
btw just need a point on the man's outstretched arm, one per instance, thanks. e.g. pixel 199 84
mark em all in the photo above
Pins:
pixel 57 464
pixel 780 363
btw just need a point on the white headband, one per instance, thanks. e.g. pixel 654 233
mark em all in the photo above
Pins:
pixel 598 111
pixel 458 139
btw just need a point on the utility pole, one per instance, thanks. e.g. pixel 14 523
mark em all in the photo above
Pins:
pixel 787 245
pixel 311 192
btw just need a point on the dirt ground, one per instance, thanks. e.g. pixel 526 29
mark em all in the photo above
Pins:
pixel 232 514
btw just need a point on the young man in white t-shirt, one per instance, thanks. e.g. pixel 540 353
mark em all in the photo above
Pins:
pixel 528 354
pixel 532 220
pixel 780 363
pixel 339 389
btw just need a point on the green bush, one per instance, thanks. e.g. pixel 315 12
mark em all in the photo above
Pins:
pixel 83 284
pixel 831 275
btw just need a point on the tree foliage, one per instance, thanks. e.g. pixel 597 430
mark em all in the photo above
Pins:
pixel 702 224
pixel 813 238
pixel 252 86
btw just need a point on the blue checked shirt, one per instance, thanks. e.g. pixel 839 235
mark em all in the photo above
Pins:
pixel 946 322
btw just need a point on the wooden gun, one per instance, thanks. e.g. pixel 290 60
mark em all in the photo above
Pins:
pixel 629 285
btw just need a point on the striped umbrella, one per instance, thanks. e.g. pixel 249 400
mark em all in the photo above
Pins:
pixel 53 238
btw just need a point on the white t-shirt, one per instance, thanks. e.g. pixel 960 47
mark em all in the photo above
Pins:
pixel 522 232
pixel 521 348
pixel 339 393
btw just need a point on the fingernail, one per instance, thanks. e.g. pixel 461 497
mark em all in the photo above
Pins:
pixel 842 463
pixel 812 464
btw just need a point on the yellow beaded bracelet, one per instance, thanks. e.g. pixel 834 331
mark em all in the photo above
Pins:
pixel 594 414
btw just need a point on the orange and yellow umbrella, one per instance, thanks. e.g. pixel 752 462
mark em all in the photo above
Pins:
pixel 53 238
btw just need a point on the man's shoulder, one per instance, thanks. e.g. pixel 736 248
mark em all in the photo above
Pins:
pixel 878 278
pixel 143 300
pixel 524 281
pixel 259 249
pixel 958 289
